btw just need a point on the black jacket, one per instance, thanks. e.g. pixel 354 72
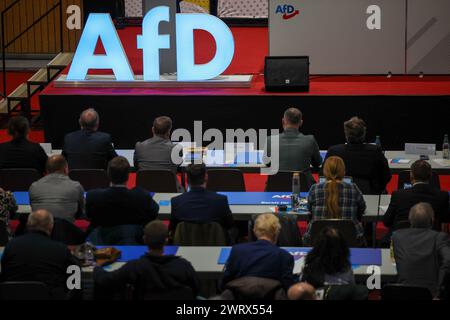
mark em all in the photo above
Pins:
pixel 149 275
pixel 86 149
pixel 35 257
pixel 22 154
pixel 403 200
pixel 119 206
pixel 366 164
pixel 202 206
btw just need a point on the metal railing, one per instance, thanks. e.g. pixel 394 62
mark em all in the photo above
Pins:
pixel 5 44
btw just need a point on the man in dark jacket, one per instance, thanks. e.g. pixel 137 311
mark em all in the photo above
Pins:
pixel 20 152
pixel 403 200
pixel 88 148
pixel 200 205
pixel 35 257
pixel 422 255
pixel 364 162
pixel 117 205
pixel 154 273
pixel 261 258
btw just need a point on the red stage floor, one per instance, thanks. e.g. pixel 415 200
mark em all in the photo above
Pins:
pixel 251 48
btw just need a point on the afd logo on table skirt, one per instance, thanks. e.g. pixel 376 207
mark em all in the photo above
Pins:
pixel 100 26
pixel 287 11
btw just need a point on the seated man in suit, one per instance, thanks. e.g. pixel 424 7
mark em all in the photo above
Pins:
pixel 261 258
pixel 117 205
pixel 56 192
pixel 421 254
pixel 35 257
pixel 88 148
pixel 297 152
pixel 200 205
pixel 403 200
pixel 156 153
pixel 21 152
pixel 364 162
pixel 152 274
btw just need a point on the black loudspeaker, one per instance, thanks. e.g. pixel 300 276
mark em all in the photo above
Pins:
pixel 114 7
pixel 286 74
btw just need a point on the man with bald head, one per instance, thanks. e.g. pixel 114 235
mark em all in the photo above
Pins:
pixel 36 257
pixel 422 255
pixel 88 148
pixel 56 192
pixel 156 153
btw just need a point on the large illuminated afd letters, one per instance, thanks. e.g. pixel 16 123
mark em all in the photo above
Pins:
pixel 101 26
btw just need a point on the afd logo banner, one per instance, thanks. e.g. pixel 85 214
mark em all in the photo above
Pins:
pixel 100 26
pixel 287 11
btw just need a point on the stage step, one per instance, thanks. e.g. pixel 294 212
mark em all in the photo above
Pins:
pixel 61 61
pixel 41 77
pixel 4 106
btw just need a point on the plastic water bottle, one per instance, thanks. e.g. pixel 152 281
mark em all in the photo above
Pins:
pixel 89 254
pixel 446 148
pixel 378 142
pixel 295 190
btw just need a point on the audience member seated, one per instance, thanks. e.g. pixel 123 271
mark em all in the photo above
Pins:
pixel 117 205
pixel 364 162
pixel 20 152
pixel 328 263
pixel 422 255
pixel 56 193
pixel 403 200
pixel 261 258
pixel 88 148
pixel 336 199
pixel 297 152
pixel 156 153
pixel 35 257
pixel 154 273
pixel 200 205
pixel 302 291
pixel 8 208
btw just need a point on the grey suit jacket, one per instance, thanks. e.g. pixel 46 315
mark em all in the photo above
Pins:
pixel 422 257
pixel 153 154
pixel 297 151
pixel 64 198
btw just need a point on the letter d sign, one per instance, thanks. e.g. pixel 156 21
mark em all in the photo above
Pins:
pixel 186 67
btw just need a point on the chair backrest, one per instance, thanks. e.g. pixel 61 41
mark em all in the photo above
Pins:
pixel 182 293
pixel 18 179
pixel 289 234
pixel 346 292
pixel 395 292
pixel 256 288
pixel 96 160
pixel 67 233
pixel 157 180
pixel 4 235
pixel 24 290
pixel 404 178
pixel 199 234
pixel 227 180
pixel 125 235
pixel 282 182
pixel 90 178
pixel 346 228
